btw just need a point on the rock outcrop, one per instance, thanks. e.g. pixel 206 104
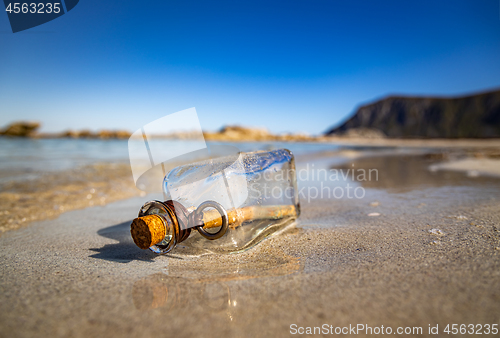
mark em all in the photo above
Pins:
pixel 101 134
pixel 474 116
pixel 239 133
pixel 21 129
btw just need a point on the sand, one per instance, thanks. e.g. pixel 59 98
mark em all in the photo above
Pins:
pixel 472 166
pixel 493 144
pixel 428 255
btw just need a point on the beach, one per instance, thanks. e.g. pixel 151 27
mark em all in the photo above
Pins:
pixel 419 249
pixel 249 169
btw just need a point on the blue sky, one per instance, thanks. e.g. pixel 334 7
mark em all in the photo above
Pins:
pixel 291 66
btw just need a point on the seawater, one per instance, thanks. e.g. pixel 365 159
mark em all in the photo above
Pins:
pixel 40 178
pixel 22 158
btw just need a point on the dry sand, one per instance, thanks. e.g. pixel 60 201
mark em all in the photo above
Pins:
pixel 472 166
pixel 430 254
pixel 419 143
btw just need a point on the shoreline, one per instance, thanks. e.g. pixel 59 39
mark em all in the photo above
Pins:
pixel 236 134
pixel 51 194
pixel 101 183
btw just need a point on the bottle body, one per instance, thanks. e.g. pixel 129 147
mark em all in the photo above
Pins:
pixel 251 194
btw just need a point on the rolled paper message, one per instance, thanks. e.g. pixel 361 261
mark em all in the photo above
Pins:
pixel 212 219
pixel 150 230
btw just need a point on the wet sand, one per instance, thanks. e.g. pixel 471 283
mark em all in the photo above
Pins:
pixel 49 194
pixel 428 254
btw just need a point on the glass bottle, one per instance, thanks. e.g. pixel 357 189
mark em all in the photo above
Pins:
pixel 233 202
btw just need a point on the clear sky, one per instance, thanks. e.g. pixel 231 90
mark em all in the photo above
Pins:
pixel 290 66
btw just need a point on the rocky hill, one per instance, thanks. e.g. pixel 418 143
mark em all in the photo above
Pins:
pixel 474 116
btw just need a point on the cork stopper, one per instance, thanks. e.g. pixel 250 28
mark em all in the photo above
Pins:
pixel 147 231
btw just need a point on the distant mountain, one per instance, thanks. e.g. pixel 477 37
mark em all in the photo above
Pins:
pixel 474 116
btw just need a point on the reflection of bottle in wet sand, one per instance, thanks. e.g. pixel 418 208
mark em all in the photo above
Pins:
pixel 211 289
pixel 233 201
pixel 160 290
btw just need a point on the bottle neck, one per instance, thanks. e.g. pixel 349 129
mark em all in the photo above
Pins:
pixel 174 217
